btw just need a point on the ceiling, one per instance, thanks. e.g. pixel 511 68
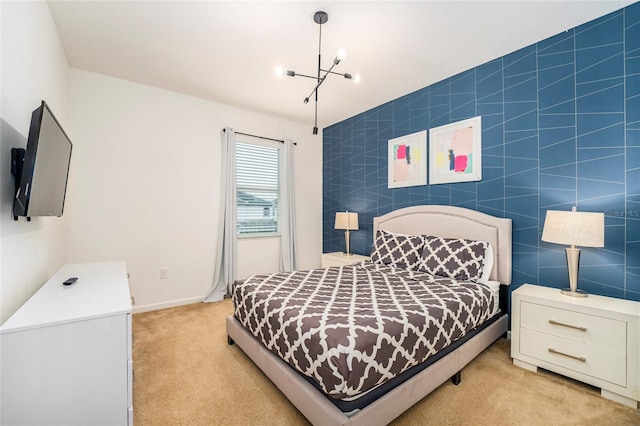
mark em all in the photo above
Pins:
pixel 227 51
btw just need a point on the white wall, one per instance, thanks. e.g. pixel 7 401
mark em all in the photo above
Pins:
pixel 34 67
pixel 146 167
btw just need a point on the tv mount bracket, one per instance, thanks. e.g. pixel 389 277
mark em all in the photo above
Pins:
pixel 17 163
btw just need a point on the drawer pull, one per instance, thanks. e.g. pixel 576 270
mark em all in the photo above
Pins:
pixel 578 358
pixel 576 327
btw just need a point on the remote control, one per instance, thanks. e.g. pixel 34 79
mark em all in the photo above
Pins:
pixel 70 281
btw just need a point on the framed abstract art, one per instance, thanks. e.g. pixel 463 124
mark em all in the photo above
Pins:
pixel 408 160
pixel 455 152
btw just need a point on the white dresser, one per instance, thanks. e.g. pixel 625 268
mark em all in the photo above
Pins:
pixel 595 340
pixel 340 259
pixel 66 353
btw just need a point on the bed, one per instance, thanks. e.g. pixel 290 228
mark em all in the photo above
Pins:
pixel 282 321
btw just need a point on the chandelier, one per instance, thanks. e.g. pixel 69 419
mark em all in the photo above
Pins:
pixel 320 18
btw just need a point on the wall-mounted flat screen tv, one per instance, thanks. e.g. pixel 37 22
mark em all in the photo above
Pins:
pixel 43 182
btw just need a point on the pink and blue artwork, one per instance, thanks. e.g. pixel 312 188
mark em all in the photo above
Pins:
pixel 407 160
pixel 455 152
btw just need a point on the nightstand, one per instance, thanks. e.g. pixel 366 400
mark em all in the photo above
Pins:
pixel 595 339
pixel 340 259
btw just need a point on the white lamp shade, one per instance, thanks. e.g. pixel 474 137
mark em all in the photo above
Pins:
pixel 574 228
pixel 346 220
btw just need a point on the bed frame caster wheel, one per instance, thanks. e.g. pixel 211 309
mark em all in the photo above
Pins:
pixel 230 340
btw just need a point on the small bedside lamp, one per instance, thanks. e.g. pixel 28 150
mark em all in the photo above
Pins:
pixel 575 229
pixel 349 222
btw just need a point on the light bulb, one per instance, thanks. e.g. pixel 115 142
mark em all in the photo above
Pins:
pixel 279 71
pixel 356 78
pixel 342 53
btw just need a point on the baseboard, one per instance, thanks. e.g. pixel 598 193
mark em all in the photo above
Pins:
pixel 165 305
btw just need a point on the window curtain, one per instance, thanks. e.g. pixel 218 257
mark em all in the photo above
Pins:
pixel 226 253
pixel 288 249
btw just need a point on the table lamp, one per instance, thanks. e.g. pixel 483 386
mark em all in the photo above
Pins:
pixel 575 229
pixel 349 222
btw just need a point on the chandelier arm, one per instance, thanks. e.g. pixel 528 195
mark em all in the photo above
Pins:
pixel 321 80
pixel 315 89
pixel 307 76
pixel 315 123
pixel 333 72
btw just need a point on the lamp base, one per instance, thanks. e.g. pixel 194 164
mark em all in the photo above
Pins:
pixel 577 293
pixel 347 254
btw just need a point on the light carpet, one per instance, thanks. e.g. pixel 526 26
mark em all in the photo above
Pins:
pixel 185 373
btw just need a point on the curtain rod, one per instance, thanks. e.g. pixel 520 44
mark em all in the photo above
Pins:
pixel 263 137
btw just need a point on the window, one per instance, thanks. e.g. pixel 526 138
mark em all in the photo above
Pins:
pixel 257 188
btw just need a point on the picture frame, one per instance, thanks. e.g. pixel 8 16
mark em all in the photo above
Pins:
pixel 407 160
pixel 455 152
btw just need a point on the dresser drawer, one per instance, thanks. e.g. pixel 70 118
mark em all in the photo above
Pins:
pixel 595 361
pixel 592 330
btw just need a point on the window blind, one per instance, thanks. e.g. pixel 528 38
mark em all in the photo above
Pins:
pixel 257 188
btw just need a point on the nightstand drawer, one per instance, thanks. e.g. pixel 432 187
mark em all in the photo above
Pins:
pixel 592 361
pixel 592 330
pixel 595 339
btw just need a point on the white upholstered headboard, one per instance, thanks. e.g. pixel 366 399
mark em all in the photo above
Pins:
pixel 454 222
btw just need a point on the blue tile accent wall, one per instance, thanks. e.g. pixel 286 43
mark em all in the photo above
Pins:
pixel 560 127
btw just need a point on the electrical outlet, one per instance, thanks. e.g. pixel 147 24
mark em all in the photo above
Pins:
pixel 164 273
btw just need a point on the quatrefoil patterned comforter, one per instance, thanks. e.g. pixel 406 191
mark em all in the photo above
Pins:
pixel 352 328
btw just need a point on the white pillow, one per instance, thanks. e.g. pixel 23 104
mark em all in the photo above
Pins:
pixel 487 267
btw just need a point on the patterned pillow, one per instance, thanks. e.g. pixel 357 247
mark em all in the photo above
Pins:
pixel 453 258
pixel 397 250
